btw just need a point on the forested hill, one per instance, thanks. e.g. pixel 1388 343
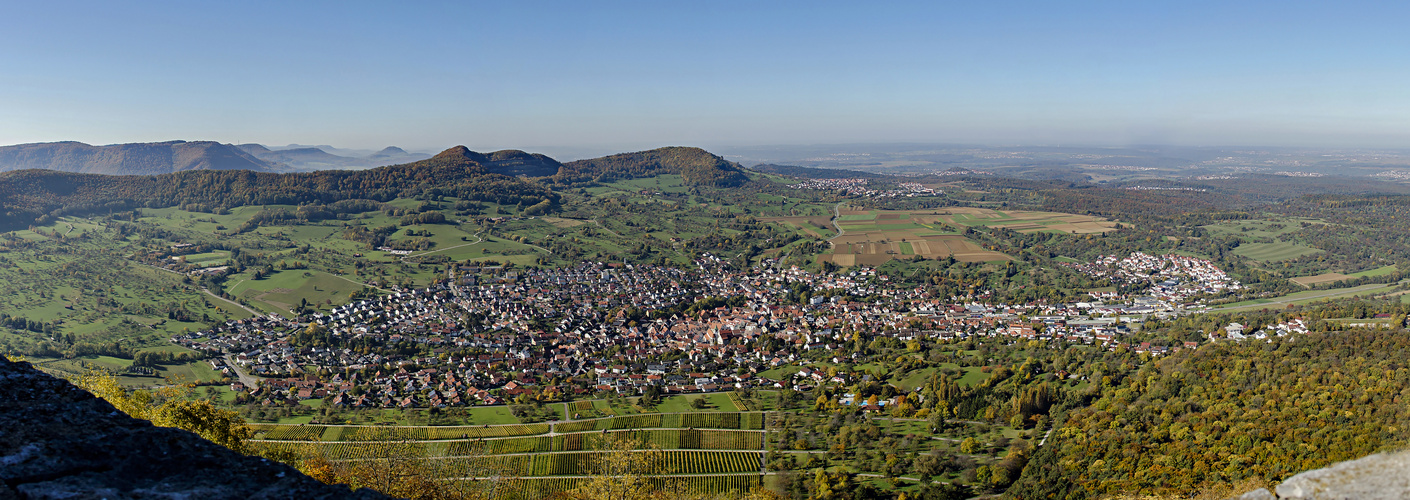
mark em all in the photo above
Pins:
pixel 30 195
pixel 1226 412
pixel 696 166
pixel 515 162
pixel 815 173
pixel 129 159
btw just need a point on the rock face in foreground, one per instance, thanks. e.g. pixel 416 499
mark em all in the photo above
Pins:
pixel 1379 476
pixel 57 441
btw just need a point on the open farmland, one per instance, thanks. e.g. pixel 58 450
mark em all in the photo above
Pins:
pixel 1309 281
pixel 819 225
pixel 873 237
pixel 1270 252
pixel 1319 279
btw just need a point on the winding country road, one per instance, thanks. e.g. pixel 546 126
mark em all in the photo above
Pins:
pixel 478 240
pixel 837 220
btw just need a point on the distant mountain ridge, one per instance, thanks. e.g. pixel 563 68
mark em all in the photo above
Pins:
pixel 31 195
pixel 320 158
pixel 136 158
pixel 505 177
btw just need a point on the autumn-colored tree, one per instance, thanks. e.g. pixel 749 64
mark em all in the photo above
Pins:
pixel 399 466
pixel 622 469
pixel 165 408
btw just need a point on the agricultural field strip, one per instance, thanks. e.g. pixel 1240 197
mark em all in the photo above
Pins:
pixel 495 438
pixel 569 452
pixel 1285 299
pixel 626 418
pixel 722 474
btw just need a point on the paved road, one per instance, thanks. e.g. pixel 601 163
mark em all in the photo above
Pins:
pixel 344 278
pixel 245 378
pixel 208 292
pixel 478 240
pixel 836 220
pixel 223 299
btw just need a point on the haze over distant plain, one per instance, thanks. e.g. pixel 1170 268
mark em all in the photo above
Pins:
pixel 628 75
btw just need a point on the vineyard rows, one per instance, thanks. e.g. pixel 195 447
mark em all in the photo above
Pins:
pixel 287 432
pixel 692 439
pixel 707 446
pixel 749 420
pixel 389 433
pixel 739 402
pixel 672 462
pixel 514 489
pixel 354 451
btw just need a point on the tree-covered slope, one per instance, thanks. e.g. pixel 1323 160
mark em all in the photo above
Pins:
pixel 697 166
pixel 1230 411
pixel 29 195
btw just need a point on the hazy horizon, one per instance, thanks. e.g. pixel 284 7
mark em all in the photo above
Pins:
pixel 627 76
pixel 750 155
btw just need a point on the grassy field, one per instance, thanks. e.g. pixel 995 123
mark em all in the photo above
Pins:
pixel 1380 271
pixel 284 290
pixel 1335 277
pixel 718 401
pixel 1270 252
pixel 1257 228
pixel 1303 297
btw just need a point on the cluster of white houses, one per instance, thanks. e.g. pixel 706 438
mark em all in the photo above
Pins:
pixel 1172 278
pixel 862 188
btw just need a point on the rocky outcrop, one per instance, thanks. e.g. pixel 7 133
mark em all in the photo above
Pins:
pixel 57 441
pixel 1379 476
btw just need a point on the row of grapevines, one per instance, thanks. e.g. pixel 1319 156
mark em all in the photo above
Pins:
pixel 696 439
pixel 468 432
pixel 528 489
pixel 739 402
pixel 705 462
pixel 704 439
pixel 671 462
pixel 745 420
pixel 389 433
pixel 734 483
pixel 532 489
pixel 532 444
pixel 288 432
pixel 578 426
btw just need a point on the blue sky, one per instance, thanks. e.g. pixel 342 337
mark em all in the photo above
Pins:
pixel 623 75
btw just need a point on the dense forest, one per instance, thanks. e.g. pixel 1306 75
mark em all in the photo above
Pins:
pixel 1230 411
pixel 697 166
pixel 36 196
